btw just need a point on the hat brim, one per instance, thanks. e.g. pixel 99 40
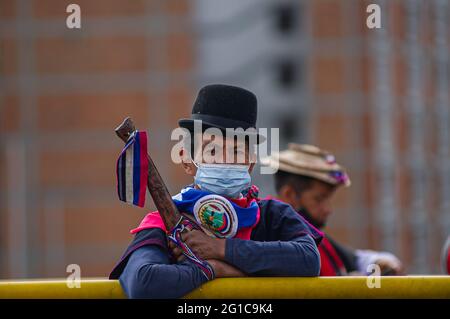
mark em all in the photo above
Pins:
pixel 189 124
pixel 319 175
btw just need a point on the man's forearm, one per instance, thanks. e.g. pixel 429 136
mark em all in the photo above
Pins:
pixel 148 274
pixel 277 258
pixel 166 281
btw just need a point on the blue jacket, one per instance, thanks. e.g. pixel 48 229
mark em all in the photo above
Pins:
pixel 281 244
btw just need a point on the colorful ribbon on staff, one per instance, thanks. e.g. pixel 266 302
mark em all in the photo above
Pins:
pixel 132 170
pixel 175 236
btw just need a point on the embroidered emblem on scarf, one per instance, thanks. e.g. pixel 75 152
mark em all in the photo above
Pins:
pixel 216 216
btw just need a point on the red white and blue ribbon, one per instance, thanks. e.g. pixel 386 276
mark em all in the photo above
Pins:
pixel 175 235
pixel 132 170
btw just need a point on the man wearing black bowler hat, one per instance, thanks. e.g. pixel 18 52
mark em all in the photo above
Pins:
pixel 238 234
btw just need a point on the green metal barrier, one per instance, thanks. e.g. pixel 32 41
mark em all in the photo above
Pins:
pixel 254 288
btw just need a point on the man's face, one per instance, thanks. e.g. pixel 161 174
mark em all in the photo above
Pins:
pixel 317 202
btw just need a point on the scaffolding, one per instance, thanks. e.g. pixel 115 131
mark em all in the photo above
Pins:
pixel 441 110
pixel 418 221
pixel 386 209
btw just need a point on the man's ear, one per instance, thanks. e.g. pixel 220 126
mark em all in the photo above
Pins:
pixel 288 194
pixel 186 162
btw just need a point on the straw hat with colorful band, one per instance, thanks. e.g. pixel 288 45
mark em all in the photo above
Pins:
pixel 309 160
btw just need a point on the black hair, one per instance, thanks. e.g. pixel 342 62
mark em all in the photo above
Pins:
pixel 300 183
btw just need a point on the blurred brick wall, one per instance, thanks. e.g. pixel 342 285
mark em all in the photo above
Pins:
pixel 340 111
pixel 63 93
pixel 344 121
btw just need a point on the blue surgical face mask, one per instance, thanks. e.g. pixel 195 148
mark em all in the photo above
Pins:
pixel 223 179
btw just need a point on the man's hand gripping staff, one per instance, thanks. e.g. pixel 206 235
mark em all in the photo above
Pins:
pixel 174 222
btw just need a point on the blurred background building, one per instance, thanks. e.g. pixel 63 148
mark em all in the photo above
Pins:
pixel 377 98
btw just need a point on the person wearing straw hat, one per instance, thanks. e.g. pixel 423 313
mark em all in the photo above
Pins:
pixel 307 178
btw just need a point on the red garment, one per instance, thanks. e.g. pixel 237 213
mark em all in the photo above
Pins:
pixel 330 262
pixel 448 261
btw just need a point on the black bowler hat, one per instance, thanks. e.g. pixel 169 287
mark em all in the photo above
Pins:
pixel 224 106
